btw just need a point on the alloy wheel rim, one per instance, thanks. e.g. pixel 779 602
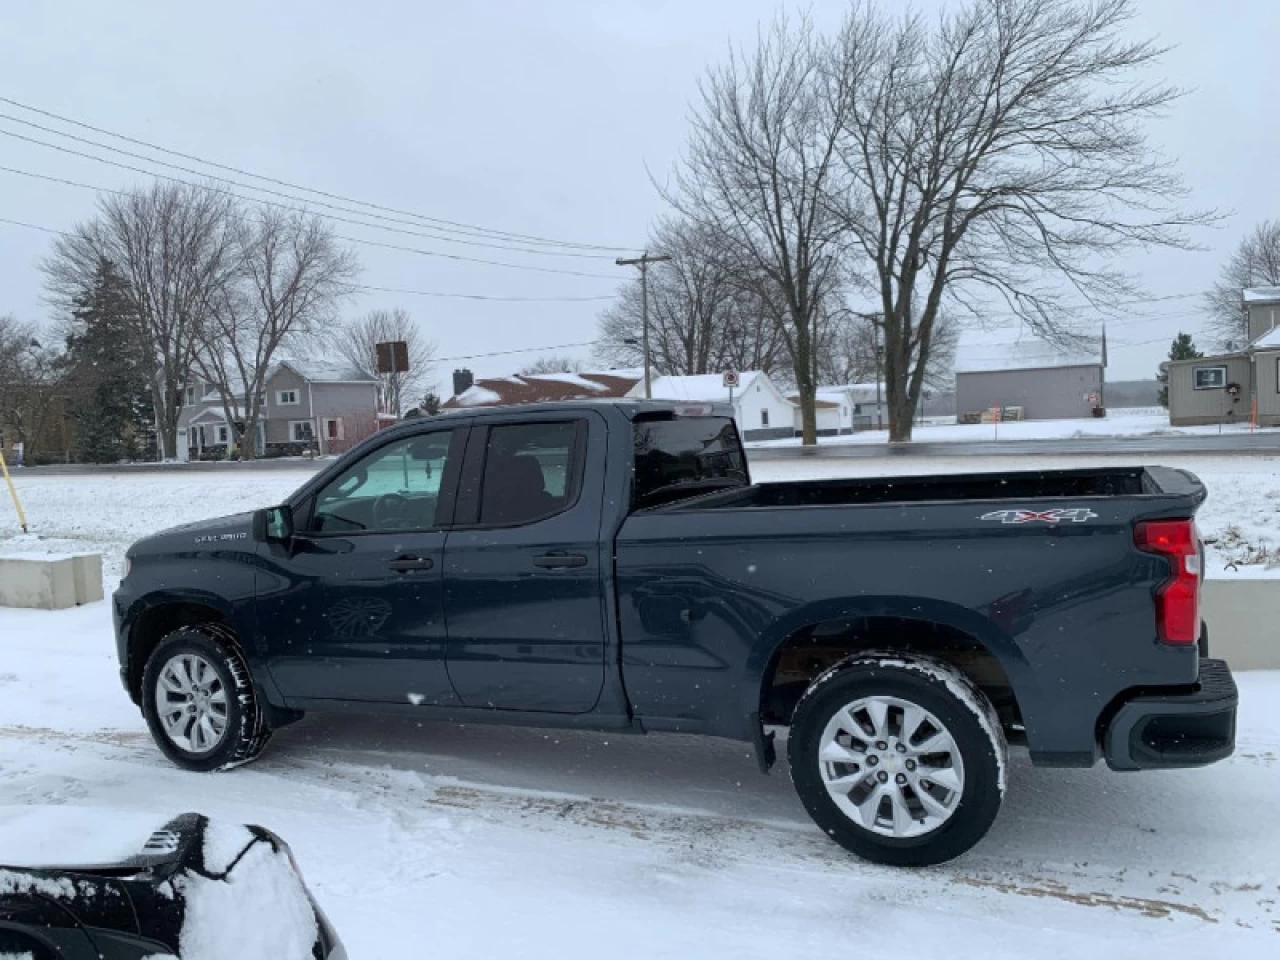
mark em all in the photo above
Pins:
pixel 891 766
pixel 192 704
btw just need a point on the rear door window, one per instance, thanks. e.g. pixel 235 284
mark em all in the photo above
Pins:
pixel 532 471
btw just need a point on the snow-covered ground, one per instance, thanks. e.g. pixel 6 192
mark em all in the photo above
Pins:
pixel 1240 520
pixel 467 841
pixel 1125 422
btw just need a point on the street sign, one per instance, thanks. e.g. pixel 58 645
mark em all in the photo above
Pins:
pixel 731 378
pixel 393 356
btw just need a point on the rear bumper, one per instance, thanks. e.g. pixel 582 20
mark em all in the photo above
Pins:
pixel 1187 727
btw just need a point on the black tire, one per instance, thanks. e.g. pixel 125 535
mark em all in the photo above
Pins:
pixel 957 704
pixel 246 732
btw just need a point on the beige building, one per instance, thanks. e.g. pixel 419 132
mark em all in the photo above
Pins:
pixel 1233 387
pixel 306 406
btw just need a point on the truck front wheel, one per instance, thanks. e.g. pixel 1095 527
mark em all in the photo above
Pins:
pixel 199 700
pixel 899 758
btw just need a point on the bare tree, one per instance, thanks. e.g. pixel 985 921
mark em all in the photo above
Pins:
pixel 1255 263
pixel 700 319
pixel 757 175
pixel 290 273
pixel 847 342
pixel 30 379
pixel 173 245
pixel 1000 153
pixel 357 341
pixel 551 363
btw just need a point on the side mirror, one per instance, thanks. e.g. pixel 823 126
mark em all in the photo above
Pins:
pixel 274 524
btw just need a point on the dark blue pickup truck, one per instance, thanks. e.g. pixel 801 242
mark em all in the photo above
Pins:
pixel 610 566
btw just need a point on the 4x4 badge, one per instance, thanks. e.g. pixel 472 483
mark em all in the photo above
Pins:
pixel 1056 515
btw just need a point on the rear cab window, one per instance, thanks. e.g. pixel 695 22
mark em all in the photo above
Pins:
pixel 679 457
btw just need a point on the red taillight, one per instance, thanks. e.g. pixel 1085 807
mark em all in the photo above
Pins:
pixel 1178 598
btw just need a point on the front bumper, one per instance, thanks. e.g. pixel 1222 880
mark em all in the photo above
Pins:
pixel 1186 727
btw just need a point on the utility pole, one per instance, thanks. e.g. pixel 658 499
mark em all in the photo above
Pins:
pixel 643 262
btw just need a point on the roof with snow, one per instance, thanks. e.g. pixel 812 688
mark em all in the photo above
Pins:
pixel 823 400
pixel 1268 341
pixel 1261 295
pixel 984 352
pixel 324 371
pixel 859 392
pixel 705 387
pixel 544 387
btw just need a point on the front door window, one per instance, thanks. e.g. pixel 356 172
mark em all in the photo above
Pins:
pixel 396 487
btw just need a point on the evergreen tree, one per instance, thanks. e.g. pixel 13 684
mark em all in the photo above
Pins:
pixel 106 373
pixel 1183 348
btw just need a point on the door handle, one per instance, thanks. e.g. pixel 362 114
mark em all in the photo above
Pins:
pixel 551 560
pixel 410 564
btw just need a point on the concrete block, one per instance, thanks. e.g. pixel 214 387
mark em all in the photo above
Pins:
pixel 1244 622
pixel 47 581
pixel 87 569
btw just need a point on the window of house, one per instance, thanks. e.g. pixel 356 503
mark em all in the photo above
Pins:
pixel 396 487
pixel 286 398
pixel 333 428
pixel 764 418
pixel 210 390
pixel 1210 378
pixel 222 433
pixel 300 431
pixel 531 471
pixel 191 396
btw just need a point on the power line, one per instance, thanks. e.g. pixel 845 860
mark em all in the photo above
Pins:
pixel 480 296
pixel 507 353
pixel 418 232
pixel 371 288
pixel 471 229
pixel 370 243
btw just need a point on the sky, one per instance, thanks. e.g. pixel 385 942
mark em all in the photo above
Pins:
pixel 548 119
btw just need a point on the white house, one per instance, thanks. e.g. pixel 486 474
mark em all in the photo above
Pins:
pixel 760 409
pixel 845 408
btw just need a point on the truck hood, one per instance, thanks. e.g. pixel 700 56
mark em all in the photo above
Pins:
pixel 236 528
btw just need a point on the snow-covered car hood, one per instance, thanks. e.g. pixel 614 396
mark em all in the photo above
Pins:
pixel 64 837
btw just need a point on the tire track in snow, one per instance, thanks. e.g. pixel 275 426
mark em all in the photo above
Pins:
pixel 701 839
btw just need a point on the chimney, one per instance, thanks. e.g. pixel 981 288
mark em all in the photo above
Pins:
pixel 462 381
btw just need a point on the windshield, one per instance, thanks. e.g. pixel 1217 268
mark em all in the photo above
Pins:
pixel 684 457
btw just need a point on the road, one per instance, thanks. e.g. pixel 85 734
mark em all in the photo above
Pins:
pixel 1254 444
pixel 1236 444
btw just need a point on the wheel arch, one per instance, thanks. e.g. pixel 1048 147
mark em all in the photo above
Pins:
pixel 803 644
pixel 160 615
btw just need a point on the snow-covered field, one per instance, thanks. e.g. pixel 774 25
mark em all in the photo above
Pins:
pixel 1124 422
pixel 466 841
pixel 477 842
pixel 1240 520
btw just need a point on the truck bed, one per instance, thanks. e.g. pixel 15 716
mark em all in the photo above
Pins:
pixel 1023 486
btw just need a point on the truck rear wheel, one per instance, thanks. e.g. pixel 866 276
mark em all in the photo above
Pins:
pixel 199 700
pixel 899 758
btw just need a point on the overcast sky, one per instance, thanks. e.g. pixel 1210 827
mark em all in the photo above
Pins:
pixel 539 118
